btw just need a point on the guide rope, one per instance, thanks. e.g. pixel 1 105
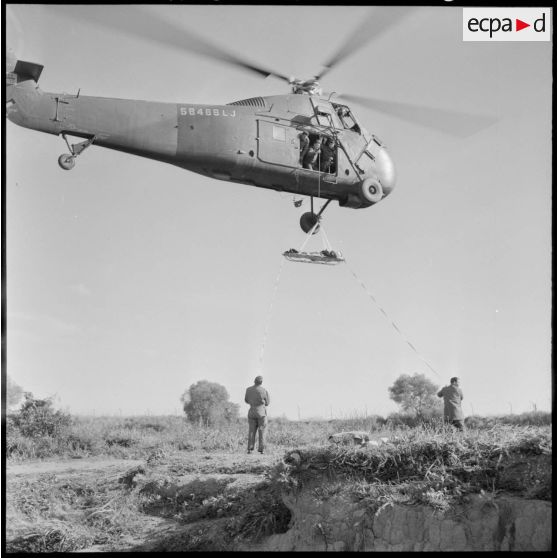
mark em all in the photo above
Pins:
pixel 327 244
pixel 393 324
pixel 269 312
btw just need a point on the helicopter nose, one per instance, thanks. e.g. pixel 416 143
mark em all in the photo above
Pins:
pixel 385 168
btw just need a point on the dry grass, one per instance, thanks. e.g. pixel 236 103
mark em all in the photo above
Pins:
pixel 432 464
pixel 49 514
pixel 137 437
pixel 53 514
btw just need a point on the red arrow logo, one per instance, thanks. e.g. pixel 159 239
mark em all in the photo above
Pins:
pixel 519 25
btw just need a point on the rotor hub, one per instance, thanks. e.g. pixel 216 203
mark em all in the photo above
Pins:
pixel 308 87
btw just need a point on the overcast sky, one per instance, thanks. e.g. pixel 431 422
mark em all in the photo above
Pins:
pixel 128 280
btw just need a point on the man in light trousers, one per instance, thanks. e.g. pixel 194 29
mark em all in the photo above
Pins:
pixel 258 399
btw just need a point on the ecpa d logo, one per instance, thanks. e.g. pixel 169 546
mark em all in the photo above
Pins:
pixel 506 24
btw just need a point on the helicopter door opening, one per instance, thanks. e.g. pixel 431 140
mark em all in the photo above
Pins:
pixel 278 144
pixel 318 152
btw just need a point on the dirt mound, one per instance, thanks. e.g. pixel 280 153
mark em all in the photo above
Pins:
pixel 417 494
pixel 421 495
pixel 482 522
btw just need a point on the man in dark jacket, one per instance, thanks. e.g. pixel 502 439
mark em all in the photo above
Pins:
pixel 258 399
pixel 328 155
pixel 453 396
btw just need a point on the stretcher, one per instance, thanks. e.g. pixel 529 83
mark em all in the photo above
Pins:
pixel 328 257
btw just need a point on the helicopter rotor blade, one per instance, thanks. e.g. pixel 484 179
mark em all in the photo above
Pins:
pixel 134 20
pixel 375 24
pixel 452 122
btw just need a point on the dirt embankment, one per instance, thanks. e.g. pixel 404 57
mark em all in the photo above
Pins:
pixel 482 523
pixel 332 509
pixel 219 501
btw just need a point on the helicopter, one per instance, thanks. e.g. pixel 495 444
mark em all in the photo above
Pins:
pixel 305 142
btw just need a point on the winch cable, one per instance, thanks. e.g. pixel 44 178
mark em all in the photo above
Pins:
pixel 325 245
pixel 308 236
pixel 394 325
pixel 325 240
pixel 319 172
pixel 269 313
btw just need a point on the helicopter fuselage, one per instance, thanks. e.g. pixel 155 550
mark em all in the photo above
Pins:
pixel 255 141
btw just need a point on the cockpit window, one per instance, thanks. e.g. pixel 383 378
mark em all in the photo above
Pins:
pixel 326 116
pixel 347 119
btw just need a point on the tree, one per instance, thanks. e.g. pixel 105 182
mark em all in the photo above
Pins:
pixel 207 403
pixel 414 393
pixel 14 393
pixel 37 418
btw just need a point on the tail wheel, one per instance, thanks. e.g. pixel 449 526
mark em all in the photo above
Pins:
pixel 66 161
pixel 308 221
pixel 372 190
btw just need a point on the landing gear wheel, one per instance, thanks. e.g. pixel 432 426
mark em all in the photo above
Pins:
pixel 66 161
pixel 307 222
pixel 372 190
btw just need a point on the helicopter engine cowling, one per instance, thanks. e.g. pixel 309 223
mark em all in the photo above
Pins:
pixel 372 190
pixel 20 74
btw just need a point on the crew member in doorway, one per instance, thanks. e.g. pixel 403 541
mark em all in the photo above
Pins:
pixel 311 159
pixel 304 145
pixel 453 396
pixel 258 399
pixel 327 156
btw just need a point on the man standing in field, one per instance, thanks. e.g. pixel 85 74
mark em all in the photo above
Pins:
pixel 258 399
pixel 453 396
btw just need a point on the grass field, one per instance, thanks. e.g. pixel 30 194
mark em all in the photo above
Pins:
pixel 161 483
pixel 136 437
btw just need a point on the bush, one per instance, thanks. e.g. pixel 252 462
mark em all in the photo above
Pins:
pixel 16 443
pixel 37 418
